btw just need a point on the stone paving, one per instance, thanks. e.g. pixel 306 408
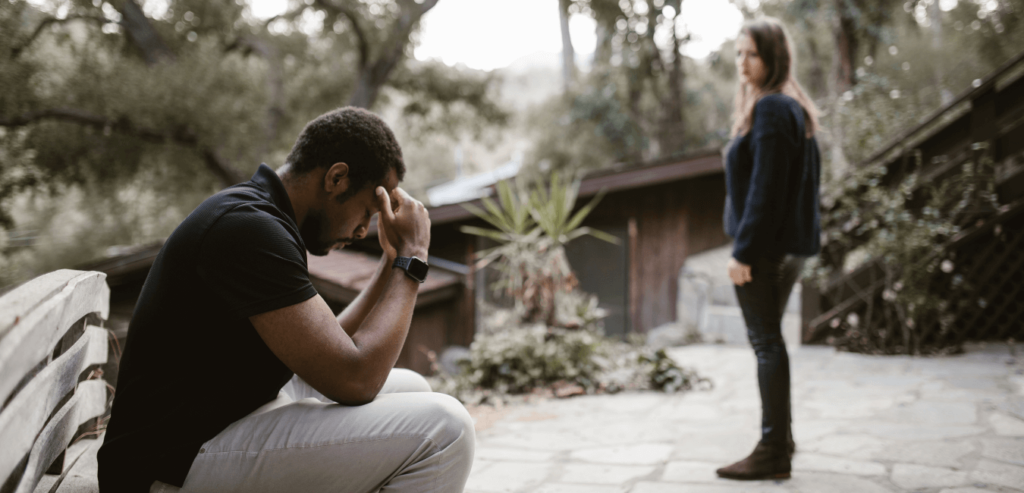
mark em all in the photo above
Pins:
pixel 951 424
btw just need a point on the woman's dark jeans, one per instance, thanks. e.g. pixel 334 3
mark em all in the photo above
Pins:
pixel 763 301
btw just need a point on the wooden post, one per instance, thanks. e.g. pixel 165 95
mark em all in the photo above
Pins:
pixel 634 275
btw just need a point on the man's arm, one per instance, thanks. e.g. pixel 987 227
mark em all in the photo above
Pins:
pixel 351 369
pixel 352 317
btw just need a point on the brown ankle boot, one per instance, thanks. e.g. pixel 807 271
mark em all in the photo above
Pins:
pixel 765 462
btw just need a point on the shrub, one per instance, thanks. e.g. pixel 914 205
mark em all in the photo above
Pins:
pixel 665 375
pixel 908 231
pixel 517 359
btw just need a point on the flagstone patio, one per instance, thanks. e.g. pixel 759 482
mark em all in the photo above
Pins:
pixel 952 424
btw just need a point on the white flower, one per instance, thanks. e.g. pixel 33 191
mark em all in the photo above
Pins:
pixel 946 266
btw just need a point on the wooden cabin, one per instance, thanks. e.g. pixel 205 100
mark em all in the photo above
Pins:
pixel 661 211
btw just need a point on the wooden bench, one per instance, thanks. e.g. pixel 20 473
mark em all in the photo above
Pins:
pixel 51 345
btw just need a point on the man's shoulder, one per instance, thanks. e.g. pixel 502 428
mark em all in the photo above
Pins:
pixel 238 206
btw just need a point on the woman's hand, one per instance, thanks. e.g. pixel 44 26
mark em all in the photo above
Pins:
pixel 739 272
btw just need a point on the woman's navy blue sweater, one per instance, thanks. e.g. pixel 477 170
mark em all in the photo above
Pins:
pixel 772 176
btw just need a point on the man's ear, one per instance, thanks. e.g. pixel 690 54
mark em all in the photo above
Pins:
pixel 336 179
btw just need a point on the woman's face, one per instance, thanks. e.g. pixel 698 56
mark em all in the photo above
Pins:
pixel 749 65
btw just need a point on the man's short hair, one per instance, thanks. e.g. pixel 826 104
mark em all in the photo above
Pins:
pixel 352 136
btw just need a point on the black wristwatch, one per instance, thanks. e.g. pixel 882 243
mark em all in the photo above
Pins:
pixel 413 267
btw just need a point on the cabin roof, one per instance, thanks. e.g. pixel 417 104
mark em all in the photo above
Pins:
pixel 615 179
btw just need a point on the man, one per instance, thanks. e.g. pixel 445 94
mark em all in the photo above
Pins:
pixel 236 375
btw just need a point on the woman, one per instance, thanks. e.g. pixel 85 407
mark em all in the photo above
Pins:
pixel 771 211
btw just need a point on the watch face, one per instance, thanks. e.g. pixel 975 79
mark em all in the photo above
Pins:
pixel 418 268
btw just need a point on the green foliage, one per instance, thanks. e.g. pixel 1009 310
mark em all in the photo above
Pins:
pixel 437 99
pixel 907 229
pixel 874 111
pixel 519 360
pixel 533 225
pixel 234 92
pixel 508 358
pixel 642 98
pixel 664 374
pixel 583 133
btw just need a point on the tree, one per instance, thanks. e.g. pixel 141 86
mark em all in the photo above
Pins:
pixel 377 63
pixel 568 54
pixel 95 96
pixel 633 104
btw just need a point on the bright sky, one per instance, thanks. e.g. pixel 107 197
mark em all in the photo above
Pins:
pixel 490 34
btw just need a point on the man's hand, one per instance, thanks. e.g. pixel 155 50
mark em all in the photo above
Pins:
pixel 382 235
pixel 739 272
pixel 407 227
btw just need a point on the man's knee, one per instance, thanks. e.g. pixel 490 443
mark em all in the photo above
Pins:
pixel 402 380
pixel 454 426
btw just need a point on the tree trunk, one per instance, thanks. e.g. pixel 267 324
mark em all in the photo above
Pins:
pixel 366 91
pixel 373 74
pixel 142 34
pixel 568 54
pixel 603 50
pixel 818 85
pixel 844 33
pixel 673 125
pixel 935 16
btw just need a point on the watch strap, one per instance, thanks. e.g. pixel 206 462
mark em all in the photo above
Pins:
pixel 404 263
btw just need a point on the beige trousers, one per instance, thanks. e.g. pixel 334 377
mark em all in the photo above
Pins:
pixel 408 439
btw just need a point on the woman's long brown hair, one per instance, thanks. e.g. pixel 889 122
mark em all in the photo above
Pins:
pixel 772 43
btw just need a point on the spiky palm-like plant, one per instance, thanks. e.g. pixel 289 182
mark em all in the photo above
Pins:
pixel 532 226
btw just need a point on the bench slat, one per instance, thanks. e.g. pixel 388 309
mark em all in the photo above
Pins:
pixel 73 456
pixel 83 475
pixel 22 300
pixel 34 333
pixel 80 470
pixel 89 401
pixel 27 412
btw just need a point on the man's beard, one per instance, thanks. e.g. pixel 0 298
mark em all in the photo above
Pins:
pixel 313 233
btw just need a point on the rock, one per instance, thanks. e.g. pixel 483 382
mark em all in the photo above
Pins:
pixel 824 463
pixel 1007 425
pixel 1004 449
pixel 667 335
pixel 912 476
pixel 639 454
pixel 988 471
pixel 603 473
pixel 509 477
pixel 450 357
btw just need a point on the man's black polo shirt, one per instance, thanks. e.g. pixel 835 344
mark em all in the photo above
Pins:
pixel 193 362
